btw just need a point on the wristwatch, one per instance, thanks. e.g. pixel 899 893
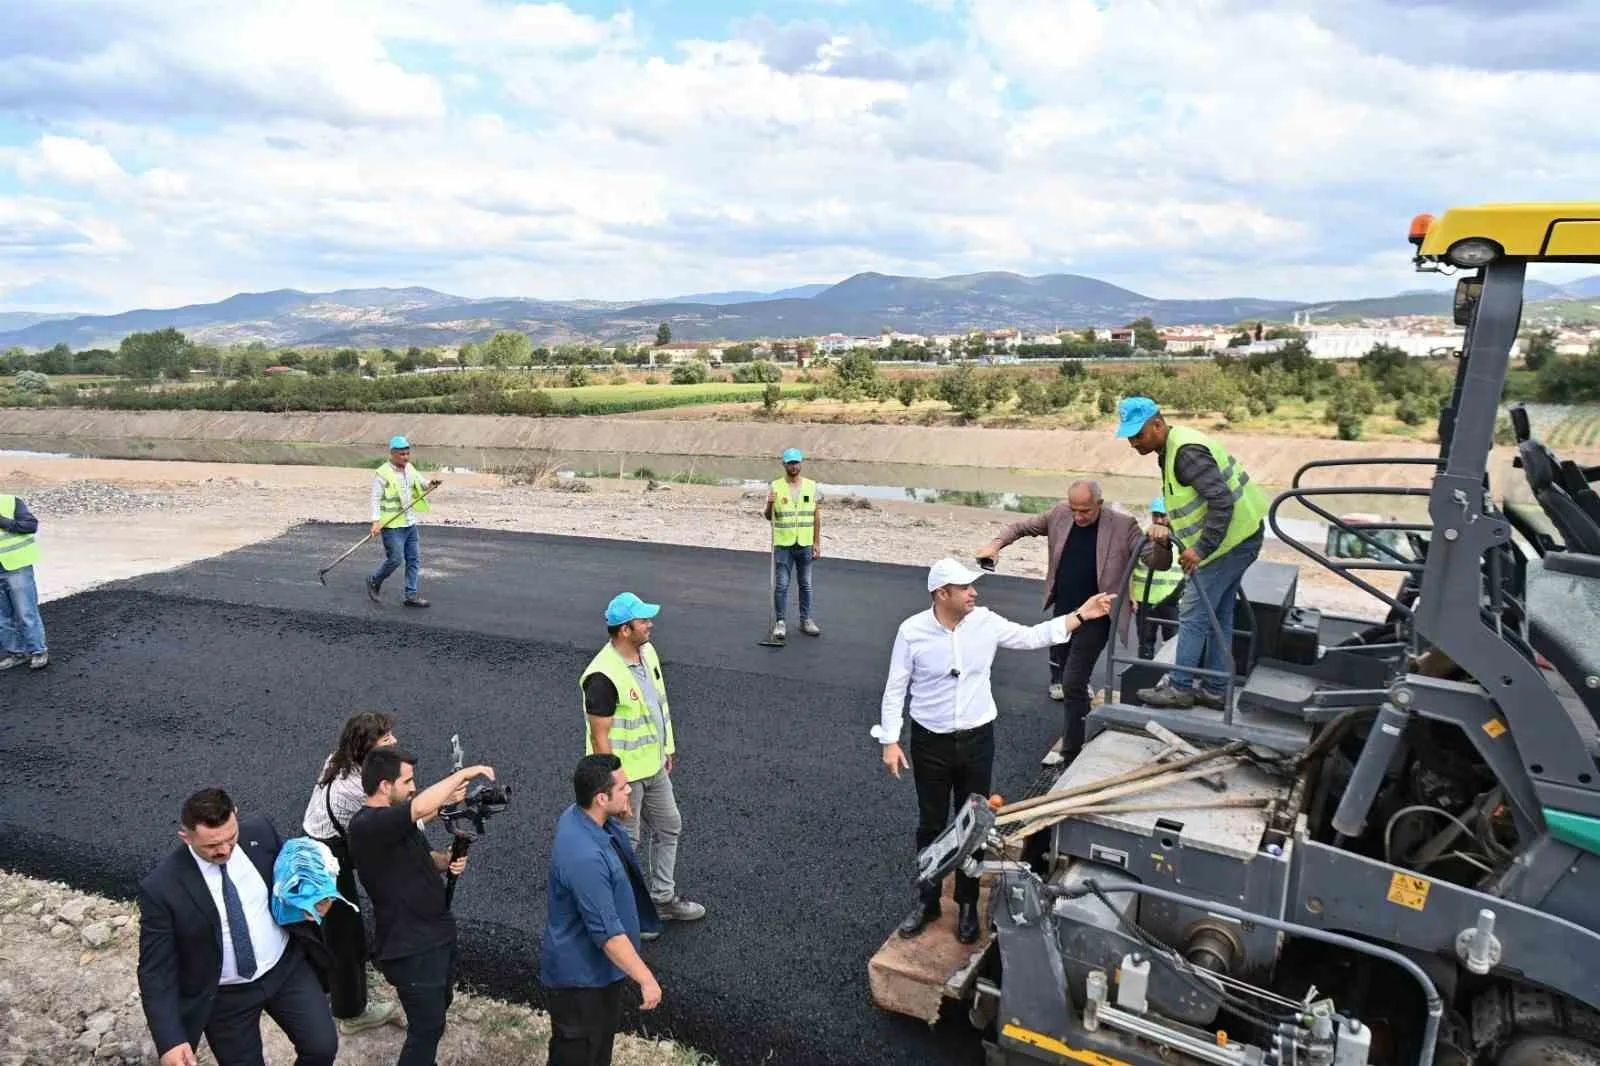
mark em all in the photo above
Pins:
pixel 1078 616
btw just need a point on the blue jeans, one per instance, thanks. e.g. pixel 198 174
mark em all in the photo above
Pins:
pixel 782 559
pixel 1196 639
pixel 21 628
pixel 404 541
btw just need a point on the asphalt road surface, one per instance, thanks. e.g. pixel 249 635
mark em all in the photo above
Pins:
pixel 241 669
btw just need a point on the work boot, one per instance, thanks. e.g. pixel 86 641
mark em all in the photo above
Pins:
pixel 967 922
pixel 1206 698
pixel 810 628
pixel 11 659
pixel 680 910
pixel 378 1012
pixel 372 591
pixel 39 660
pixel 919 919
pixel 416 601
pixel 780 631
pixel 1057 693
pixel 1165 695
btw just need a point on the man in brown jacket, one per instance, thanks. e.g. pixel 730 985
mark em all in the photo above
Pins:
pixel 1089 548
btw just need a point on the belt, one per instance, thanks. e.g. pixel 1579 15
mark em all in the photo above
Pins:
pixel 954 734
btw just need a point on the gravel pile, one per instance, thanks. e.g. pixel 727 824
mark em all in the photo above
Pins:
pixel 94 497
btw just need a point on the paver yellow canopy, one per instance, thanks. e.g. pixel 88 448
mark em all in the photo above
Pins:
pixel 1404 865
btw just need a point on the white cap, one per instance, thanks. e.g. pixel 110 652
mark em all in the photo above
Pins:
pixel 949 572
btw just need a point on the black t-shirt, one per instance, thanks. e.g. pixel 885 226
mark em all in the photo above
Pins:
pixel 1076 577
pixel 396 866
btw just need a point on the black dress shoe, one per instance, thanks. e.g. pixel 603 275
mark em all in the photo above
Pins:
pixel 967 922
pixel 918 920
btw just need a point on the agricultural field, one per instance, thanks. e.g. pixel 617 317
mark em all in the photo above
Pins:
pixel 1566 425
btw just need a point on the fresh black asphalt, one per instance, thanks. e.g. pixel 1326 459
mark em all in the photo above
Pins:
pixel 240 670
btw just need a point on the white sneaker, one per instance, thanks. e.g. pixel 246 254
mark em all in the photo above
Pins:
pixel 1057 693
pixel 780 631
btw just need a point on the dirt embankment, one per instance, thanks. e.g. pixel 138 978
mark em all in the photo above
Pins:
pixel 1271 460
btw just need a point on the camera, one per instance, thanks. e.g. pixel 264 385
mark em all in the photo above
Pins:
pixel 466 820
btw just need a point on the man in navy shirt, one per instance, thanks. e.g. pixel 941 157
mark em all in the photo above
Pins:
pixel 597 904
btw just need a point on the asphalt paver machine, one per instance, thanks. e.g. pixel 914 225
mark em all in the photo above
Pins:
pixel 1397 856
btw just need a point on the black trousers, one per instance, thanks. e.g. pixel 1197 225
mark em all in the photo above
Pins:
pixel 1074 663
pixel 291 996
pixel 346 936
pixel 425 986
pixel 583 1024
pixel 947 768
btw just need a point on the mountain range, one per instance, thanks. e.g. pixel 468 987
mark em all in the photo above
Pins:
pixel 859 305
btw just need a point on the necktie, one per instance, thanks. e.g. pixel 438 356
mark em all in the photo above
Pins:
pixel 244 953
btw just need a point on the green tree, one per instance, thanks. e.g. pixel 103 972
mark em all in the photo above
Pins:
pixel 853 377
pixel 1145 335
pixel 663 335
pixel 1539 348
pixel 738 353
pixel 163 353
pixel 577 377
pixel 1354 399
pixel 694 373
pixel 33 381
pixel 1032 397
pixel 346 361
pixel 771 396
pixel 507 348
pixel 908 390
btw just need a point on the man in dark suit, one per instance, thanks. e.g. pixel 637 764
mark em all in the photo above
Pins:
pixel 211 957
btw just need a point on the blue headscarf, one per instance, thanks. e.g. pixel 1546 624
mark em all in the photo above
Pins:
pixel 305 874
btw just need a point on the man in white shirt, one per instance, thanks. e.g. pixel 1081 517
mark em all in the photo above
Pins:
pixel 211 957
pixel 398 498
pixel 941 659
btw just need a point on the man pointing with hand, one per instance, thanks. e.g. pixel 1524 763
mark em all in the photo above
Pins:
pixel 941 660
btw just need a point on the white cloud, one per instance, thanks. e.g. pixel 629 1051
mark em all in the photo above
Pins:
pixel 1208 147
pixel 70 160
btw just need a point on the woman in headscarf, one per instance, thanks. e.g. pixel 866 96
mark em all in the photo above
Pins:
pixel 337 796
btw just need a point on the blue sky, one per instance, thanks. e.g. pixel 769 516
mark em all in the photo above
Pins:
pixel 156 154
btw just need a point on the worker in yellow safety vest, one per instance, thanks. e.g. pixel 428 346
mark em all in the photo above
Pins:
pixel 1216 515
pixel 1155 592
pixel 21 628
pixel 627 715
pixel 398 497
pixel 794 507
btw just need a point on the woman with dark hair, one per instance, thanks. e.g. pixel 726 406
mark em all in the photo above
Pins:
pixel 337 796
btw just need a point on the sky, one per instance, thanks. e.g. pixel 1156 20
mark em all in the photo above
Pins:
pixel 164 153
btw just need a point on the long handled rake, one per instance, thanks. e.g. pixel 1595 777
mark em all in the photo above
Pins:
pixel 322 575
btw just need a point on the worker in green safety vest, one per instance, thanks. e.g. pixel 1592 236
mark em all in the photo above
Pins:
pixel 794 507
pixel 1154 593
pixel 1216 515
pixel 21 628
pixel 627 715
pixel 398 498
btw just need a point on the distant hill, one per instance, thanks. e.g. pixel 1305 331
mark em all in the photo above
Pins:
pixel 859 305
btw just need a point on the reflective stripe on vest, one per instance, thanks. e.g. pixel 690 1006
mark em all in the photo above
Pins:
pixel 17 550
pixel 1162 583
pixel 633 732
pixel 1186 508
pixel 794 513
pixel 391 503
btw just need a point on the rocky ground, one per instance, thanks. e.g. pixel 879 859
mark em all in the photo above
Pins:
pixel 68 992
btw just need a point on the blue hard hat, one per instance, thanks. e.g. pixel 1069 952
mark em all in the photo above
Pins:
pixel 793 455
pixel 626 607
pixel 1134 412
pixel 398 443
pixel 1158 505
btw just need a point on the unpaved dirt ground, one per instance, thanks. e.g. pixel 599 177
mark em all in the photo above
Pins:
pixel 67 961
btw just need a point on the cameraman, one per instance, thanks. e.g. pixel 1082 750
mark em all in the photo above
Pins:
pixel 414 940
